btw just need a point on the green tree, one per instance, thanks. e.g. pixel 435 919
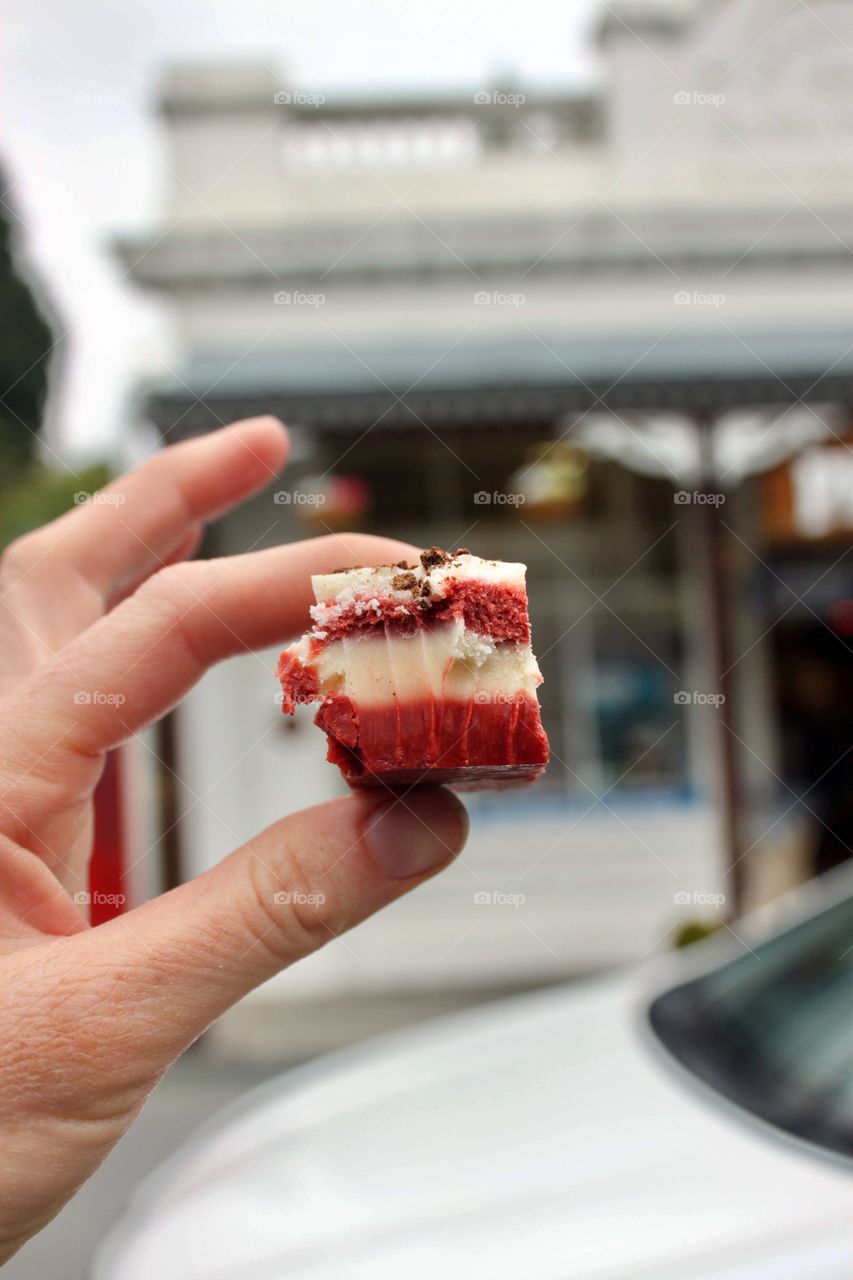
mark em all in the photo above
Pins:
pixel 25 354
pixel 31 493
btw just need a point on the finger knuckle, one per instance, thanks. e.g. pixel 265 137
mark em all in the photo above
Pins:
pixel 175 597
pixel 172 592
pixel 175 585
pixel 290 918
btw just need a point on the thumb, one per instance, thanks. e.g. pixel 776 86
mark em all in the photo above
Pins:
pixel 182 959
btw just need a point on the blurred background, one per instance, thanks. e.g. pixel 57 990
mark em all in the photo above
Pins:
pixel 562 283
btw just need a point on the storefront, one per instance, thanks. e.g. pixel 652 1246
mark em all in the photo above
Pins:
pixel 806 590
pixel 620 316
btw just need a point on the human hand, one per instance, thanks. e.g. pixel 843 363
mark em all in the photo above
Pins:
pixel 91 1018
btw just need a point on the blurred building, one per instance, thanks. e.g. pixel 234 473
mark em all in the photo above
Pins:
pixel 592 331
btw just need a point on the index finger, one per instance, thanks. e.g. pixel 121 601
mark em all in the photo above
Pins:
pixel 117 536
pixel 135 663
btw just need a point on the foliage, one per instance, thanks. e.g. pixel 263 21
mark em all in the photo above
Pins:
pixel 40 493
pixel 695 931
pixel 24 357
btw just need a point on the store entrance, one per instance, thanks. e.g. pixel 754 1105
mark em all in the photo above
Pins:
pixel 814 681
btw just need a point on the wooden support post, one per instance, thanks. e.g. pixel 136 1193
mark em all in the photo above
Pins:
pixel 720 593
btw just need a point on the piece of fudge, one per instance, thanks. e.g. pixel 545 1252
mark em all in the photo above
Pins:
pixel 423 673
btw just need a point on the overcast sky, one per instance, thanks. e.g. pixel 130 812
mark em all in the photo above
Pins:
pixel 82 173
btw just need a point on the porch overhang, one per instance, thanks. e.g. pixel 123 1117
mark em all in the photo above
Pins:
pixel 523 379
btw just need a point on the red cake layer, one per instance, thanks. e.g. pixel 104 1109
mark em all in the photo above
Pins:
pixel 299 685
pixel 432 740
pixel 495 610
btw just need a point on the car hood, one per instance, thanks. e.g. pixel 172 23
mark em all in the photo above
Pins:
pixel 540 1138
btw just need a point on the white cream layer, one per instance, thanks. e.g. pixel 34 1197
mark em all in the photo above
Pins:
pixel 336 592
pixel 446 661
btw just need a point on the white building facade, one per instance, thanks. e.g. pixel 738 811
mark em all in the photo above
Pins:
pixel 442 297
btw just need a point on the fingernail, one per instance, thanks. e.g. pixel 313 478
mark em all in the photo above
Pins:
pixel 415 833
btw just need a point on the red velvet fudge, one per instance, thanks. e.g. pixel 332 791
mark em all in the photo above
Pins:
pixel 423 673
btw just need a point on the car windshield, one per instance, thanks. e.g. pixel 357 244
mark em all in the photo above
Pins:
pixel 773 1029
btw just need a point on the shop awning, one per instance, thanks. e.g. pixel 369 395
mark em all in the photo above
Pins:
pixel 522 377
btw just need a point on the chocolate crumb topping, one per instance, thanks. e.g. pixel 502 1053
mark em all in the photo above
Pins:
pixel 435 557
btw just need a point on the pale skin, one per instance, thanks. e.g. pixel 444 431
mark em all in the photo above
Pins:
pixel 91 1018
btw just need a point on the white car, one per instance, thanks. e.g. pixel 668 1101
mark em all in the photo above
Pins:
pixel 552 1137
